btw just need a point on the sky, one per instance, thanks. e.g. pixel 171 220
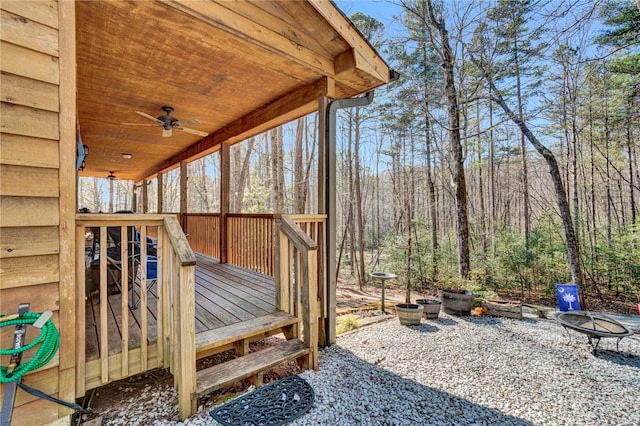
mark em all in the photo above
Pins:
pixel 382 10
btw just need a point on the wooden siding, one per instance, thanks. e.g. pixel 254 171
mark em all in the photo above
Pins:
pixel 37 186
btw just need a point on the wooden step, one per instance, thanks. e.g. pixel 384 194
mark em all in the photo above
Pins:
pixel 260 326
pixel 224 374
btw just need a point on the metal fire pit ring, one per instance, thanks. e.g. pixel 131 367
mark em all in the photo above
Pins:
pixel 594 325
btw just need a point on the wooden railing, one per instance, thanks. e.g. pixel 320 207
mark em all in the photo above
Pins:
pixel 203 231
pixel 249 239
pixel 164 338
pixel 297 280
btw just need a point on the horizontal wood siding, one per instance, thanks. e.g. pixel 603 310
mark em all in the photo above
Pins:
pixel 30 188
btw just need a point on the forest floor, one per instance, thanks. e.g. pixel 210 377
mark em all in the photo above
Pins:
pixel 364 303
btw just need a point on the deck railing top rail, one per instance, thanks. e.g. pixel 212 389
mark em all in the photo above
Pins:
pixel 297 236
pixel 179 242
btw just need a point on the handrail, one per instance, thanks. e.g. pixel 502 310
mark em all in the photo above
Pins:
pixel 299 239
pixel 166 336
pixel 297 280
pixel 179 242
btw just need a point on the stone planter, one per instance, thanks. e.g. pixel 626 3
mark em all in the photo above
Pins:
pixel 431 308
pixel 456 303
pixel 409 313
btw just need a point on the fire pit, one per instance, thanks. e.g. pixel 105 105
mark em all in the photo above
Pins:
pixel 594 325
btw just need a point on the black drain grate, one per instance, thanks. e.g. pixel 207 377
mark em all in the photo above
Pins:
pixel 272 405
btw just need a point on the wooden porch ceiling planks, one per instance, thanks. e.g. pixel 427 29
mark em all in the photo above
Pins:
pixel 240 68
pixel 225 295
pixel 293 105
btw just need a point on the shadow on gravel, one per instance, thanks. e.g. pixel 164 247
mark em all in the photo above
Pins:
pixel 426 328
pixel 444 321
pixel 621 358
pixel 350 390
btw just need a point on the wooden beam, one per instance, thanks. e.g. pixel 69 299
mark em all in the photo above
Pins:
pixel 225 185
pixel 145 196
pixel 326 197
pixel 365 56
pixel 183 194
pixel 257 31
pixel 160 192
pixel 289 107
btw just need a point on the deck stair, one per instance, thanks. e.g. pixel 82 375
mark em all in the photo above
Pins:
pixel 221 375
pixel 238 336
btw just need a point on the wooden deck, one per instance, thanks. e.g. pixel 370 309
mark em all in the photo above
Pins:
pixel 226 296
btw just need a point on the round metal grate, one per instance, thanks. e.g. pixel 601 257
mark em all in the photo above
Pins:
pixel 272 405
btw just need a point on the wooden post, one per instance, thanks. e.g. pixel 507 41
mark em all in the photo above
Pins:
pixel 326 205
pixel 160 193
pixel 310 304
pixel 67 205
pixel 145 196
pixel 187 342
pixel 183 195
pixel 80 327
pixel 225 184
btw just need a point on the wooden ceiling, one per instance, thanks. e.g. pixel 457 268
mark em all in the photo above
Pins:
pixel 238 67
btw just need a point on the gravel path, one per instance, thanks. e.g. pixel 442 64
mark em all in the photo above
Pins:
pixel 459 371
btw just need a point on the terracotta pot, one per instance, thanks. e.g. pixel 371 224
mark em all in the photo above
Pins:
pixel 431 308
pixel 456 303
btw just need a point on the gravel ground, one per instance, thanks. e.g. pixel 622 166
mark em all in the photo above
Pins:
pixel 455 371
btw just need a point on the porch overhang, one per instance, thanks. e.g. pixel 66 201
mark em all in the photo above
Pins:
pixel 239 68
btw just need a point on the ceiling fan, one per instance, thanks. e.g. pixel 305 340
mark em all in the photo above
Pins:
pixel 168 123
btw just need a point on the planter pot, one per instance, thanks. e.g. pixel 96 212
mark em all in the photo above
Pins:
pixel 431 308
pixel 409 314
pixel 456 303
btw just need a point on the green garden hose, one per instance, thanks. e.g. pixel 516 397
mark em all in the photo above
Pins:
pixel 49 340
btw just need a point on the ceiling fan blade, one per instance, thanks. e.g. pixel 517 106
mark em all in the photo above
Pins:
pixel 145 115
pixel 143 124
pixel 192 131
pixel 189 122
pixel 166 133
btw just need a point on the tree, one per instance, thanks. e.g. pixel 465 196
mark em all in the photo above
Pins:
pixel 372 30
pixel 519 47
pixel 460 186
pixel 573 249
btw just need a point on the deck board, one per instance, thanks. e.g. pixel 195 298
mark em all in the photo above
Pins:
pixel 225 295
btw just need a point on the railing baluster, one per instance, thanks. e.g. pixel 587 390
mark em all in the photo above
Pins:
pixel 144 326
pixel 104 335
pixel 124 300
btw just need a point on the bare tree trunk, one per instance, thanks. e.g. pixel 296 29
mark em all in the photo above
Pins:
pixel 358 201
pixel 278 169
pixel 243 177
pixel 96 196
pixel 523 153
pixel 464 264
pixel 483 223
pixel 592 223
pixel 492 179
pixel 299 182
pixel 432 201
pixel 608 180
pixel 630 156
pixel 110 195
pixel 573 249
